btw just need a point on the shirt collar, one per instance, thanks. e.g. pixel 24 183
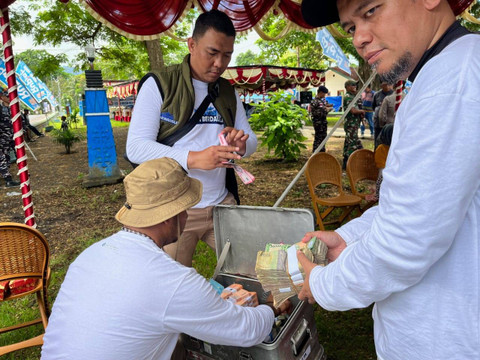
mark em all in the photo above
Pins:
pixel 454 32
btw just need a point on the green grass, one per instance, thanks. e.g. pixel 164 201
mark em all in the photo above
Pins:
pixel 204 260
pixel 57 123
pixel 119 123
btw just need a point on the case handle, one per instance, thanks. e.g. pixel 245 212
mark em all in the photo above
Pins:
pixel 300 337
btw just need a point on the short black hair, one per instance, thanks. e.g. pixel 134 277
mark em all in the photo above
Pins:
pixel 323 89
pixel 213 19
pixel 385 135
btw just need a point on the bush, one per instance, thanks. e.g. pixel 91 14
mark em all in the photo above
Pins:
pixel 74 118
pixel 281 122
pixel 67 138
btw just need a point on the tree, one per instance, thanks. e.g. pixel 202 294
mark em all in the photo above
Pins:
pixel 246 58
pixel 57 22
pixel 301 49
pixel 296 49
pixel 67 87
pixel 43 64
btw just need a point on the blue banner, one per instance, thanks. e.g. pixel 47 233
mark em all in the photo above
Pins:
pixel 23 94
pixel 336 101
pixel 25 75
pixel 46 93
pixel 43 88
pixel 332 50
pixel 25 97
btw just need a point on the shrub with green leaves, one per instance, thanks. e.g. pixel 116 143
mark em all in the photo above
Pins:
pixel 67 138
pixel 281 122
pixel 74 119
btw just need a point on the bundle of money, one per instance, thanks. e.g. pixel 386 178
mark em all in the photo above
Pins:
pixel 279 271
pixel 239 296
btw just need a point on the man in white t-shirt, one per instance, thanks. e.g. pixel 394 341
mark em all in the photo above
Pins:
pixel 167 101
pixel 417 254
pixel 123 298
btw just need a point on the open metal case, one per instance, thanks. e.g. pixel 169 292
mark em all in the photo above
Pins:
pixel 240 232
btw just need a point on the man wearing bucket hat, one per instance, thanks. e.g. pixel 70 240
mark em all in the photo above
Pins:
pixel 125 298
pixel 417 254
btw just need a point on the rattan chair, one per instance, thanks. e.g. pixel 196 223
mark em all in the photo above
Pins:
pixel 323 168
pixel 361 166
pixel 24 253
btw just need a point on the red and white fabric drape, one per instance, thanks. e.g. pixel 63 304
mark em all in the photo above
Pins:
pixel 260 79
pixel 149 19
pixel 121 91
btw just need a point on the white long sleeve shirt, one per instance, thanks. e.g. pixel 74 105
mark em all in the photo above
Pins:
pixel 417 255
pixel 142 142
pixel 124 298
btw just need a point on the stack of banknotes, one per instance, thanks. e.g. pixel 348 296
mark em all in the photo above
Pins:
pixel 279 271
pixel 239 296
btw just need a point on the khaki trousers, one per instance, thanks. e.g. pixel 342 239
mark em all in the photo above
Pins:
pixel 199 226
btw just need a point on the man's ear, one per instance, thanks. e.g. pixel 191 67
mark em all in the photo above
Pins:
pixel 191 44
pixel 431 4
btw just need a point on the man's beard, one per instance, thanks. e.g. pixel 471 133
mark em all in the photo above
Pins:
pixel 399 71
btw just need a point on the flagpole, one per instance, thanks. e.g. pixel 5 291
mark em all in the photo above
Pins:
pixel 16 121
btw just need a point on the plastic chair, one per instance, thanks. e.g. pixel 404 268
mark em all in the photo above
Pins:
pixel 323 168
pixel 24 253
pixel 361 166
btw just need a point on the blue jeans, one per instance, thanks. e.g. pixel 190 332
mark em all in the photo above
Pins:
pixel 369 118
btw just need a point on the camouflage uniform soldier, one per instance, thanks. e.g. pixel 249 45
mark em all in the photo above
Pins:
pixel 352 122
pixel 6 140
pixel 319 109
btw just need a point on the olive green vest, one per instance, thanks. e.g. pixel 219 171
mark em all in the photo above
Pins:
pixel 176 88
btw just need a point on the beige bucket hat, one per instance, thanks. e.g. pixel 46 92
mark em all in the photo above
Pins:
pixel 157 190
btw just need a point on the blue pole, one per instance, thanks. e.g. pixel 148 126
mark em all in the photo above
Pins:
pixel 102 155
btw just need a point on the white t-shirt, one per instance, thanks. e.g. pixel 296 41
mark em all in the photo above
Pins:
pixel 142 142
pixel 123 298
pixel 417 255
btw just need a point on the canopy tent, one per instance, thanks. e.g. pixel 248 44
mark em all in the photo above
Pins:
pixel 150 19
pixel 252 79
pixel 121 95
pixel 261 79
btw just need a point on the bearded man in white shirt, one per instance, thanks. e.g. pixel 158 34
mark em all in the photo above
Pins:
pixel 417 254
